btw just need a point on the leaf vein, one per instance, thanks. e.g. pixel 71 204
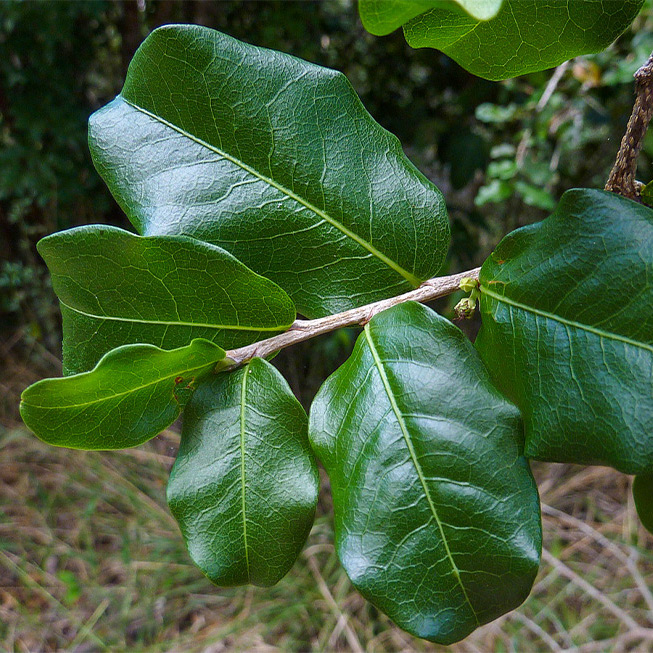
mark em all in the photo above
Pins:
pixel 411 278
pixel 418 468
pixel 608 335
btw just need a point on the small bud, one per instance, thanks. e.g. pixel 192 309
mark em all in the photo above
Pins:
pixel 464 309
pixel 467 284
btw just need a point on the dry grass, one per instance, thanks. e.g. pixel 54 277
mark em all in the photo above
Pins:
pixel 90 559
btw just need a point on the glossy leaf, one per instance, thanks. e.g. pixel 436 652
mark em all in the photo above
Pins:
pixel 274 159
pixel 117 288
pixel 643 495
pixel 134 393
pixel 524 36
pixel 380 17
pixel 567 310
pixel 436 512
pixel 244 486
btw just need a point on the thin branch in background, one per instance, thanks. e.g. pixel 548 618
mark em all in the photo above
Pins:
pixel 341 618
pixel 550 89
pixel 596 594
pixel 537 630
pixel 622 176
pixel 608 545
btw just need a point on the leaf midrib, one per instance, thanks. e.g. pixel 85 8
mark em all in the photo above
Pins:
pixel 608 335
pixel 230 327
pixel 243 400
pixel 404 431
pixel 411 278
pixel 120 394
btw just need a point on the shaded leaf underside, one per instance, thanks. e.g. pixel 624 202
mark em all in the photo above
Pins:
pixel 509 38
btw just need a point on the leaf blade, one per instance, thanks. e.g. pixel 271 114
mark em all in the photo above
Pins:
pixel 133 393
pixel 297 200
pixel 567 330
pixel 411 472
pixel 506 39
pixel 117 288
pixel 245 500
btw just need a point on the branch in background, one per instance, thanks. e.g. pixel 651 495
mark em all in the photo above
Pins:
pixel 306 329
pixel 622 176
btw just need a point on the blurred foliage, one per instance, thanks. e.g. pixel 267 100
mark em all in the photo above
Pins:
pixel 51 77
pixel 502 153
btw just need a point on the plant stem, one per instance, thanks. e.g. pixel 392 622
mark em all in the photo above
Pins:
pixel 622 176
pixel 306 329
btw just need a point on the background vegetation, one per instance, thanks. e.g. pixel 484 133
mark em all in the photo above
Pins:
pixel 90 558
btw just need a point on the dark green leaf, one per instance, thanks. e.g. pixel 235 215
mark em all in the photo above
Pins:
pixel 380 17
pixel 244 486
pixel 567 309
pixel 117 288
pixel 436 512
pixel 643 495
pixel 523 37
pixel 134 393
pixel 274 159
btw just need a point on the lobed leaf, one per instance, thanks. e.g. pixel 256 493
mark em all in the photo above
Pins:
pixel 117 288
pixel 244 486
pixel 436 512
pixel 643 496
pixel 497 40
pixel 134 393
pixel 274 159
pixel 567 310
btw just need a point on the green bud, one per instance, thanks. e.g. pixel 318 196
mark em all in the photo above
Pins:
pixel 467 284
pixel 464 309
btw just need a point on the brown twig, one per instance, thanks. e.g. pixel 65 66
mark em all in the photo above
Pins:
pixel 622 176
pixel 306 329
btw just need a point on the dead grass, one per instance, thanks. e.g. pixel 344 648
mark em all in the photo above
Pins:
pixel 91 560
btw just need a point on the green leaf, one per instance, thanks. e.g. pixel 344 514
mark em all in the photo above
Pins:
pixel 244 486
pixel 117 288
pixel 567 310
pixel 380 17
pixel 436 512
pixel 521 36
pixel 647 194
pixel 134 393
pixel 274 159
pixel 534 196
pixel 643 495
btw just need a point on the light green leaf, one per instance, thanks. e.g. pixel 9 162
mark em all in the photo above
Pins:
pixel 534 196
pixel 436 512
pixel 380 17
pixel 244 486
pixel 134 393
pixel 117 288
pixel 643 495
pixel 567 310
pixel 521 36
pixel 274 159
